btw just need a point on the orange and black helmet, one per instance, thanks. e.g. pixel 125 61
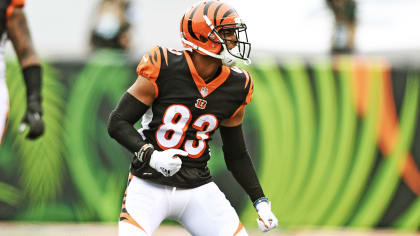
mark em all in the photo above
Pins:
pixel 203 26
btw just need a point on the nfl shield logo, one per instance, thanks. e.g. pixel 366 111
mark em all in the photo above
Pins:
pixel 204 91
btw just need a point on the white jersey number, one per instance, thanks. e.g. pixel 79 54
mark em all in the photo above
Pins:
pixel 171 133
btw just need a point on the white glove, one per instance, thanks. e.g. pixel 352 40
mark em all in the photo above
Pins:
pixel 167 162
pixel 266 219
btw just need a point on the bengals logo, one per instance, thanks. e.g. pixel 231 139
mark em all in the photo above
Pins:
pixel 201 103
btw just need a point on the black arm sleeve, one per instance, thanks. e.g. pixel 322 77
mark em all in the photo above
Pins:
pixel 120 123
pixel 239 162
pixel 32 76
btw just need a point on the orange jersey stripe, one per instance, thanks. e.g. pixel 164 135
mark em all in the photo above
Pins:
pixel 200 83
pixel 149 67
pixel 237 110
pixel 247 78
pixel 165 55
pixel 250 92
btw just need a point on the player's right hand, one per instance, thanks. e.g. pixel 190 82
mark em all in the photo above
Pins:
pixel 33 119
pixel 167 162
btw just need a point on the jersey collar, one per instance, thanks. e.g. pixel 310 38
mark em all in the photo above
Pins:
pixel 204 88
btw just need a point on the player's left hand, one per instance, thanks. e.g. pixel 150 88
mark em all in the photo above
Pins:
pixel 266 219
pixel 33 119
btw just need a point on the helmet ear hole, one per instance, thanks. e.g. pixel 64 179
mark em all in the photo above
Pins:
pixel 203 39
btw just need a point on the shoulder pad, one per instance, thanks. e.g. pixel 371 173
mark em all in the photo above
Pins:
pixel 18 3
pixel 12 5
pixel 248 83
pixel 151 63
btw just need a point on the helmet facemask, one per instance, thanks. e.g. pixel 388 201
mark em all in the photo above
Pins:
pixel 222 34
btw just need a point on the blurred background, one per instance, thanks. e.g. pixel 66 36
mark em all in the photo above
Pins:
pixel 333 127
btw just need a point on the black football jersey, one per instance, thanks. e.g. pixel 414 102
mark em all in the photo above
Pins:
pixel 187 111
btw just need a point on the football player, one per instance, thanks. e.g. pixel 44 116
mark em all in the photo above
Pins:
pixel 13 26
pixel 182 98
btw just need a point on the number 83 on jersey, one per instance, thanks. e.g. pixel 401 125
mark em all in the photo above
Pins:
pixel 175 122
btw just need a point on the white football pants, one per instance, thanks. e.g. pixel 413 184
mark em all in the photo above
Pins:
pixel 203 211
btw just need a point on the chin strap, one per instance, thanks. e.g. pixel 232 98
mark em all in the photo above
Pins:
pixel 200 49
pixel 225 56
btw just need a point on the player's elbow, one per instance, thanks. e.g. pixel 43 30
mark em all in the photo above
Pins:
pixel 114 123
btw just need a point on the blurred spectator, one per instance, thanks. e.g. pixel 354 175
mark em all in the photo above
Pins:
pixel 111 25
pixel 344 26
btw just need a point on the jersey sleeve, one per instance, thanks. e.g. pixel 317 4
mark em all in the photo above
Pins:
pixel 249 87
pixel 13 4
pixel 18 3
pixel 150 65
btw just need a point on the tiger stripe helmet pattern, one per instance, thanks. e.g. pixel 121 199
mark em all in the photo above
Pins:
pixel 202 30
